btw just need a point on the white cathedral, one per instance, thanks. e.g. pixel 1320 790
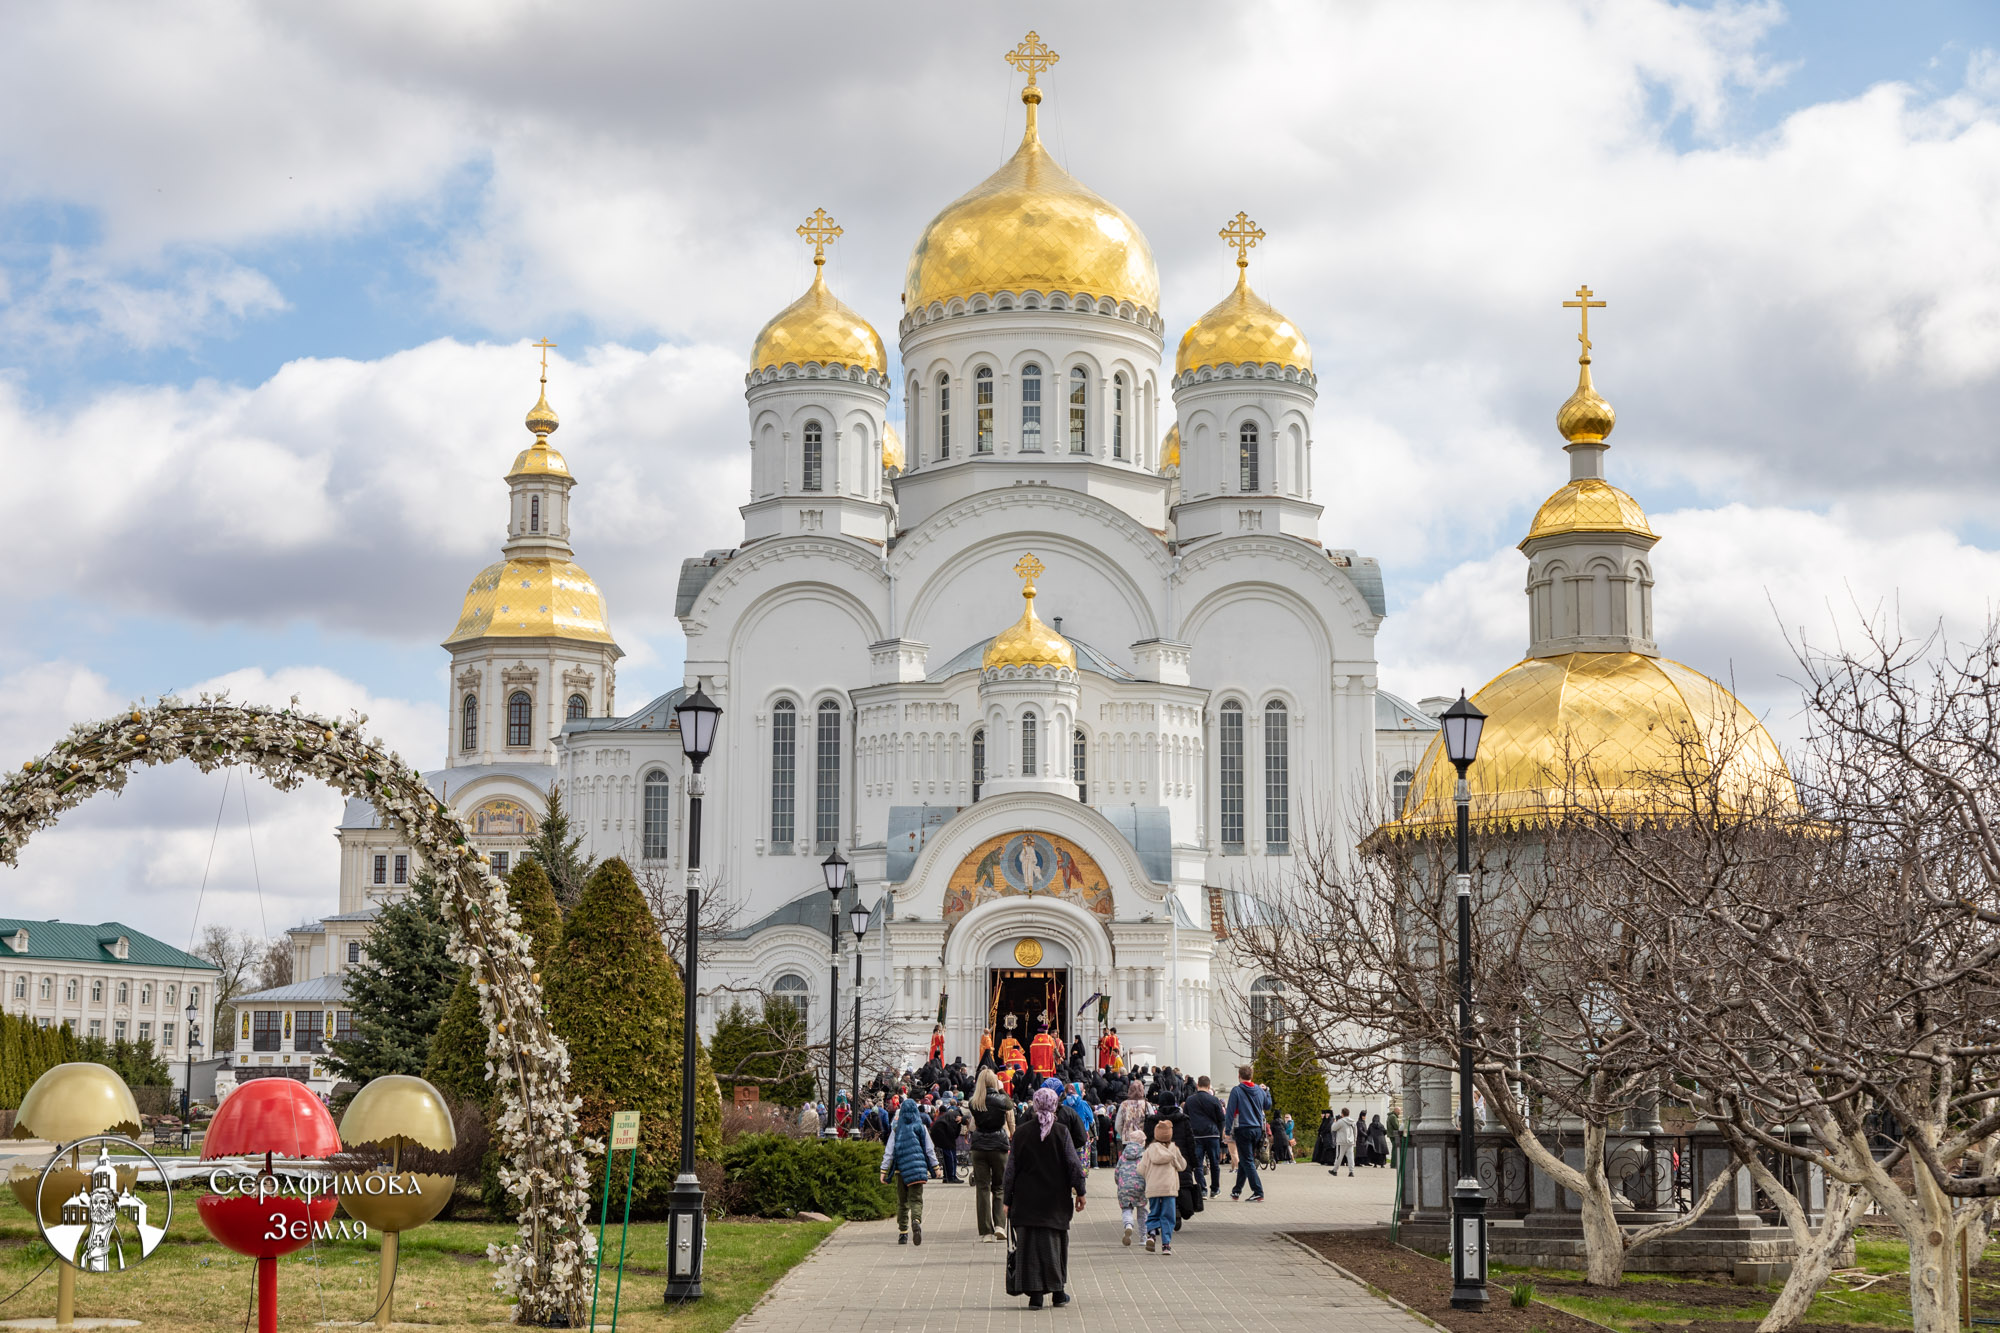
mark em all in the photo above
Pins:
pixel 1063 670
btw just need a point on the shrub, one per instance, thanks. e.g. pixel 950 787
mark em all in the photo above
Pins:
pixel 1524 1295
pixel 773 1175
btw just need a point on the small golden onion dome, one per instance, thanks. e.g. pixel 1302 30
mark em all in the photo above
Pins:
pixel 74 1101
pixel 1028 642
pixel 398 1106
pixel 1589 504
pixel 532 598
pixel 1242 329
pixel 539 458
pixel 542 418
pixel 892 448
pixel 1031 226
pixel 1623 716
pixel 1584 417
pixel 1170 448
pixel 818 328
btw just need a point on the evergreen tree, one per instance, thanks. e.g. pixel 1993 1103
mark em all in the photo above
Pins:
pixel 560 854
pixel 457 1064
pixel 766 1050
pixel 615 998
pixel 1306 1084
pixel 398 992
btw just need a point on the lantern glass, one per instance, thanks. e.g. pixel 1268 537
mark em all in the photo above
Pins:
pixel 1462 724
pixel 697 715
pixel 834 868
pixel 857 918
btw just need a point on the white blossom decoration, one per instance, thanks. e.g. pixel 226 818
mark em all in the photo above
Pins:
pixel 546 1269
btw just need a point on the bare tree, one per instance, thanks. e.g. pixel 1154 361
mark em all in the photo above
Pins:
pixel 666 896
pixel 274 967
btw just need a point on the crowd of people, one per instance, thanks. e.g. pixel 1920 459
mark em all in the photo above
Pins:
pixel 1026 1131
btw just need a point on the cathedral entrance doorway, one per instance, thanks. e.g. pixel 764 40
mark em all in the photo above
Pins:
pixel 1029 997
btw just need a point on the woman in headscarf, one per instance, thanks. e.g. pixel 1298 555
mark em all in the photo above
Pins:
pixel 992 1128
pixel 1324 1150
pixel 1130 1123
pixel 910 1157
pixel 1378 1141
pixel 1044 1186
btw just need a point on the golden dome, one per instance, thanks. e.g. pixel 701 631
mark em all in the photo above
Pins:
pixel 1590 504
pixel 892 448
pixel 1028 642
pixel 1170 448
pixel 538 459
pixel 1242 329
pixel 1031 226
pixel 1622 715
pixel 532 598
pixel 818 328
pixel 1584 417
pixel 542 419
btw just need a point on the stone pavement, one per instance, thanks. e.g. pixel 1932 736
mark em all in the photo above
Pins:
pixel 1229 1270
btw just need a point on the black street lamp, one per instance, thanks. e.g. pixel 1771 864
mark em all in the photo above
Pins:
pixel 697 716
pixel 191 1014
pixel 857 920
pixel 1462 723
pixel 834 869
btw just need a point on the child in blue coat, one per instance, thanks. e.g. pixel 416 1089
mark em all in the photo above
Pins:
pixel 912 1159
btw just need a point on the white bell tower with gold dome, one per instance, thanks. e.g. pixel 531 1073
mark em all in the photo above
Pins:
pixel 818 393
pixel 1243 394
pixel 533 646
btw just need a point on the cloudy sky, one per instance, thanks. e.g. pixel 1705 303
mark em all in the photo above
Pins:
pixel 268 276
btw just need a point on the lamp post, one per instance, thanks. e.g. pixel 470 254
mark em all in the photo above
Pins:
pixel 857 920
pixel 834 869
pixel 697 715
pixel 191 1013
pixel 1462 722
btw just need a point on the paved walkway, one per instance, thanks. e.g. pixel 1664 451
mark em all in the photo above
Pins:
pixel 1229 1270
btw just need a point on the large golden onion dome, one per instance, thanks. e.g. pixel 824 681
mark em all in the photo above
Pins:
pixel 818 328
pixel 1028 642
pixel 532 598
pixel 1031 226
pixel 1621 717
pixel 1242 329
pixel 1589 504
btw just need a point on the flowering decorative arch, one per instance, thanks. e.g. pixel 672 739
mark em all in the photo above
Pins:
pixel 546 1266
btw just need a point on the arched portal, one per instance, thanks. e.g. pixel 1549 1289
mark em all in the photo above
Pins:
pixel 546 1266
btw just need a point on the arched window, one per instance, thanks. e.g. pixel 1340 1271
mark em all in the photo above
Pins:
pixel 978 761
pixel 790 990
pixel 468 723
pixel 1277 779
pixel 577 709
pixel 1028 761
pixel 826 814
pixel 656 839
pixel 47 989
pixel 520 720
pixel 1118 416
pixel 1079 764
pixel 1399 791
pixel 534 513
pixel 1079 404
pixel 1230 785
pixel 944 415
pixel 1267 1010
pixel 1031 408
pixel 69 989
pixel 809 459
pixel 1246 442
pixel 982 402
pixel 784 772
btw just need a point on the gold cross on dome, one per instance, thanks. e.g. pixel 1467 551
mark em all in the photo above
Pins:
pixel 1028 570
pixel 1031 57
pixel 1584 304
pixel 1243 234
pixel 819 231
pixel 545 345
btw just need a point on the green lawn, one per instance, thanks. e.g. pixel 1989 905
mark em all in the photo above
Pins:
pixel 193 1283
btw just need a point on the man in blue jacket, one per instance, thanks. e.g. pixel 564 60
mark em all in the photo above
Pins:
pixel 1247 1105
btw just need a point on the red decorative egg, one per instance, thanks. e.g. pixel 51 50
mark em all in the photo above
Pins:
pixel 269 1214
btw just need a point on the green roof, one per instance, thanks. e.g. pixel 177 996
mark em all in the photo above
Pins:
pixel 69 942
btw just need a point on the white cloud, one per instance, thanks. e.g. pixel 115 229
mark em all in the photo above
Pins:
pixel 179 849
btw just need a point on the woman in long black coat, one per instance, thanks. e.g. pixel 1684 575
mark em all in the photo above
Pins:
pixel 1042 1189
pixel 1324 1151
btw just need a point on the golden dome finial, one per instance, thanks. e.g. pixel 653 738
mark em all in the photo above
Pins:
pixel 1028 642
pixel 1031 57
pixel 541 417
pixel 819 231
pixel 1585 418
pixel 1244 234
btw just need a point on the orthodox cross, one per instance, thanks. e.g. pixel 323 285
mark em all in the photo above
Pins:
pixel 1030 568
pixel 1584 304
pixel 545 345
pixel 1031 57
pixel 819 231
pixel 1243 234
